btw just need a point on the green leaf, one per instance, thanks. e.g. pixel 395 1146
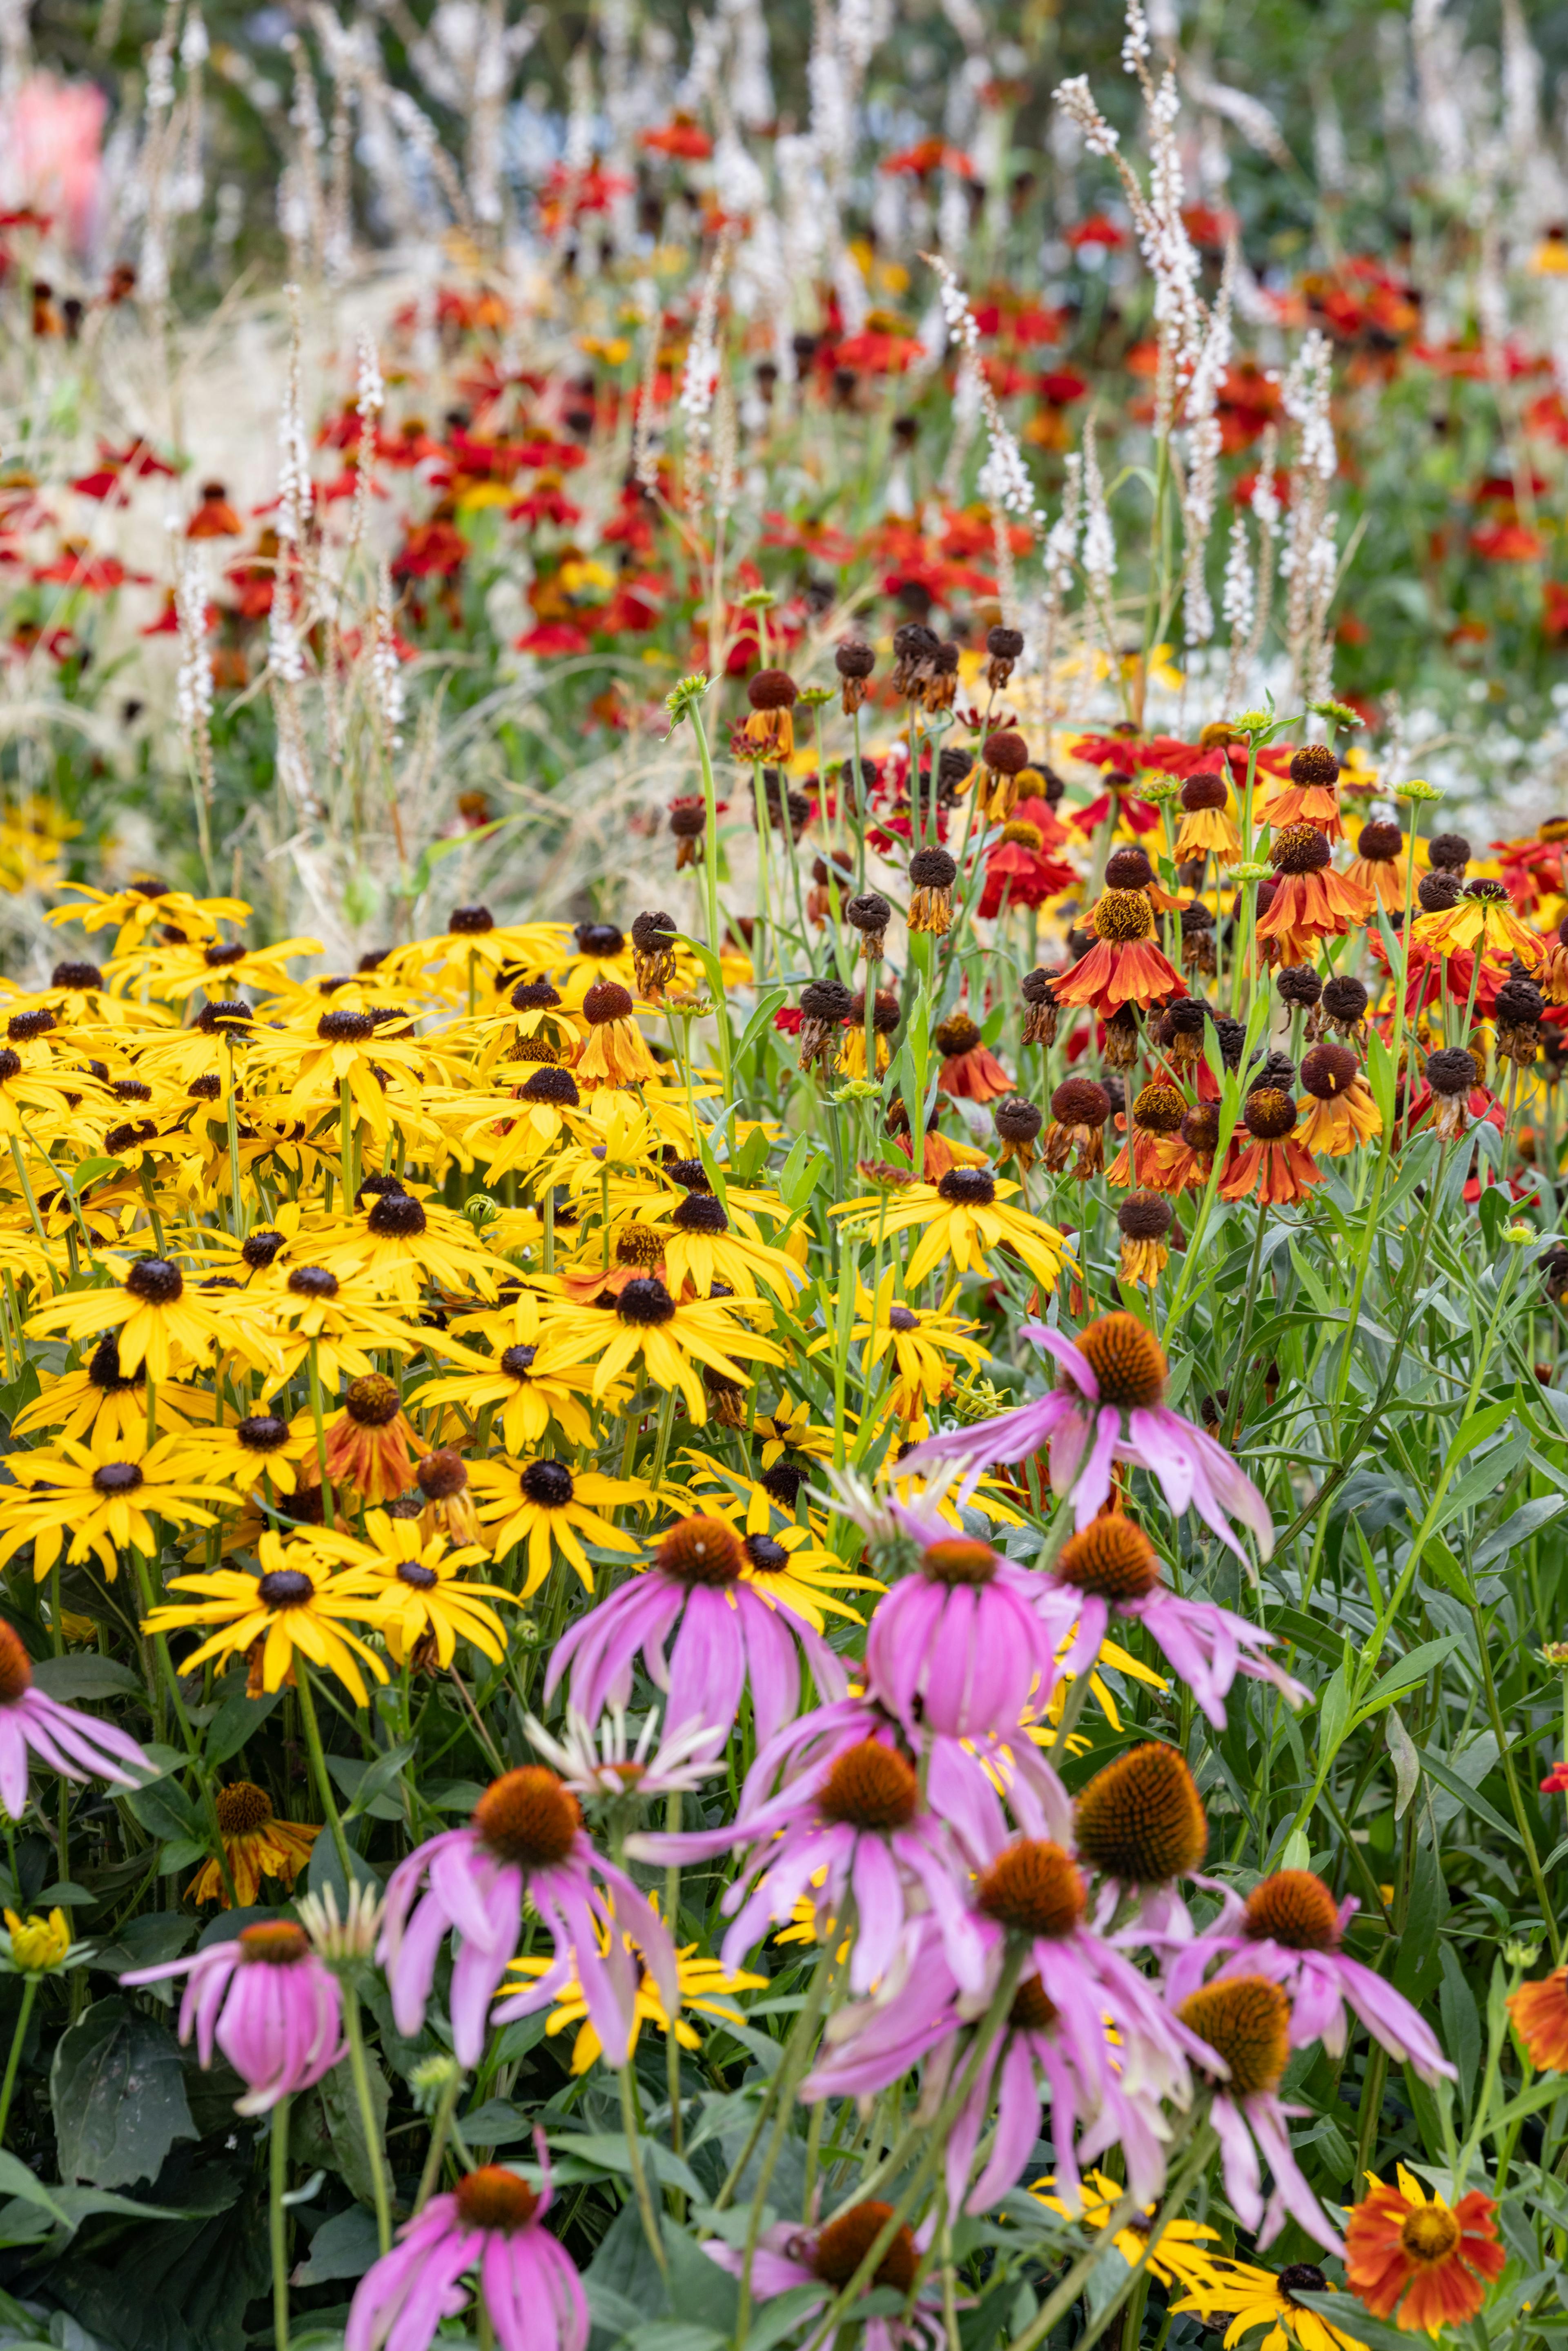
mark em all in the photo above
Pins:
pixel 16 2179
pixel 342 2247
pixel 166 1811
pixel 779 2317
pixel 237 1719
pixel 607 2151
pixel 1438 1768
pixel 85 1676
pixel 1529 2102
pixel 340 2113
pixel 1417 1968
pixel 1333 1714
pixel 118 2090
pixel 1409 1670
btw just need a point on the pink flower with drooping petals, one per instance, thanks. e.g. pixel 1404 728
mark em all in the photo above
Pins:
pixel 1290 1929
pixel 525 1837
pixel 267 2002
pixel 1110 1408
pixel 731 1635
pixel 492 2223
pixel 52 150
pixel 829 2256
pixel 76 1745
pixel 1245 2019
pixel 958 1647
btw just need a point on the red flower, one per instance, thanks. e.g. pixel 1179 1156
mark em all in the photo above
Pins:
pixel 1431 2263
pixel 552 637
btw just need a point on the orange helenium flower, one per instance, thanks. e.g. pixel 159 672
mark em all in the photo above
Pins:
pixel 1540 2013
pixel 1430 2263
pixel 1123 965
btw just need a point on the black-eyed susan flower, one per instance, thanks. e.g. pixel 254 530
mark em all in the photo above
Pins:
pixel 919 1347
pixel 342 1048
pixel 706 1987
pixel 154 1311
pixel 1243 2299
pixel 257 1844
pixel 426 1604
pixel 403 1243
pixel 146 906
pixel 787 1427
pixel 102 1396
pixel 1188 2253
pixel 670 1339
pixel 312 1311
pixel 259 1447
pixel 551 1509
pixel 524 1400
pixel 104 1496
pixel 703 1248
pixel 473 942
pixel 296 1602
pixel 966 1218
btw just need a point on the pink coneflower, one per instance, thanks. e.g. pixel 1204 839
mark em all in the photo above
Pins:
pixel 525 1837
pixel 269 2004
pixel 958 1646
pixel 1246 2022
pixel 1097 2099
pixel 829 2257
pixel 1289 1929
pixel 76 1745
pixel 1117 1370
pixel 493 2222
pixel 731 1634
pixel 1112 1565
pixel 850 1808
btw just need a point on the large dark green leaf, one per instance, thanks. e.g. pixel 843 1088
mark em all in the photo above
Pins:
pixel 118 2090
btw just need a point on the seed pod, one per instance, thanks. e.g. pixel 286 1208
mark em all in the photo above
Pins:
pixel 869 915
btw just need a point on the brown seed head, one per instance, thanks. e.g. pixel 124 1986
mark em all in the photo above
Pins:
pixel 243 1806
pixel 1146 1216
pixel 372 1401
pixel 1269 1114
pixel 701 1551
pixel 1111 1558
pixel 1141 1819
pixel 1033 1887
pixel 1300 849
pixel 1315 763
pixel 1293 1907
pixel 1158 1109
pixel 959 1558
pixel 1328 1071
pixel 1123 916
pixel 16 1667
pixel 528 1817
pixel 274 1943
pixel 494 2198
pixel 1246 2020
pixel 1126 1359
pixel 844 2244
pixel 870 1787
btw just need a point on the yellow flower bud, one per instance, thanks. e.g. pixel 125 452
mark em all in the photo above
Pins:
pixel 39 1944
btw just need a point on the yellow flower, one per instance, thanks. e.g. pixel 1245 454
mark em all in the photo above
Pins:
pixel 308 1306
pixel 670 1338
pixel 1481 921
pixel 1111 1654
pixel 102 1397
pixel 416 1579
pixel 1182 2256
pixel 550 1507
pixel 104 1495
pixel 38 1945
pixel 296 1602
pixel 922 1343
pixel 401 1243
pixel 152 1311
pixel 257 1844
pixel 788 1428
pixel 144 907
pixel 966 1218
pixel 528 1399
pixel 784 1560
pixel 1251 2298
pixel 702 1986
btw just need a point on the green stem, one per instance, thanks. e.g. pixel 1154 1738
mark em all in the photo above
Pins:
pixel 439 2132
pixel 359 2068
pixel 29 1994
pixel 318 1767
pixel 277 2213
pixel 650 2229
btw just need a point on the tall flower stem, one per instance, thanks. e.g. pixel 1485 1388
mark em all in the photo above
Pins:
pixel 277 2221
pixel 710 887
pixel 791 2072
pixel 650 2229
pixel 29 1994
pixel 360 2072
pixel 319 1768
pixel 439 2132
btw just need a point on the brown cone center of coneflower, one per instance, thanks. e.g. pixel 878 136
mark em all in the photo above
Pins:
pixel 1126 1359
pixel 967 1187
pixel 638 1245
pixel 1429 2235
pixel 702 1551
pixel 441 1474
pixel 262 1432
pixel 283 1587
pixel 1032 2010
pixel 16 1667
pixel 1035 1888
pixel 1158 1110
pixel 1123 915
pixel 1268 1115
pixel 1300 849
pixel 1247 2021
pixel 549 1484
pixel 1293 1907
pixel 243 1806
pixel 1141 1819
pixel 275 1943
pixel 844 2243
pixel 959 1558
pixel 495 2198
pixel 870 1787
pixel 372 1401
pixel 528 1817
pixel 1111 1558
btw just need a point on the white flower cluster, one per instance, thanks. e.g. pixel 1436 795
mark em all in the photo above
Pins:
pixel 194 682
pixel 296 493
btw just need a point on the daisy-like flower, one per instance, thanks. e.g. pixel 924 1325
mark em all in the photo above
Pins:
pixel 958 1645
pixel 102 1400
pixel 104 1496
pixel 1483 923
pixel 1207 826
pixel 703 1248
pixel 1242 2299
pixel 965 1218
pixel 923 1345
pixel 1110 1565
pixel 1341 1112
pixel 76 1745
pixel 295 1603
pixel 1311 901
pixel 371 1446
pixel 1291 1929
pixel 264 1445
pixel 1307 794
pixel 1414 2255
pixel 788 2258
pixel 705 1632
pixel 508 1133
pixel 1125 966
pixel 1110 1408
pixel 152 1312
pixel 1269 1164
pixel 342 1048
pixel 174 973
pixel 257 1844
pixel 473 939
pixel 144 907
pixel 706 1986
pixel 418 1579
pixel 616 1052
pixel 266 2002
pixel 1540 2010
pixel 1378 865
pixel 1245 2022
pixel 670 1338
pixel 607 1764
pixel 343 1320
pixel 846 1821
pixel 526 1838
pixel 405 1243
pixel 525 1401
pixel 28 1095
pixel 971 1072
pixel 491 2226
pixel 551 1507
pixel 1183 2256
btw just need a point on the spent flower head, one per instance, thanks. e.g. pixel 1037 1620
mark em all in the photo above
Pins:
pixel 342 1941
pixel 683 698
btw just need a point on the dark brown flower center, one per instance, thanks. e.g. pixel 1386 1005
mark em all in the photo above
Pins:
pixel 1127 1360
pixel 262 1432
pixel 397 1217
pixel 1246 2020
pixel 284 1587
pixel 528 1817
pixel 372 1401
pixel 1035 1888
pixel 154 1282
pixel 275 1943
pixel 1293 1907
pixel 494 2198
pixel 701 1551
pixel 870 1787
pixel 844 2243
pixel 242 1807
pixel 117 1477
pixel 1111 1558
pixel 548 1483
pixel 1123 916
pixel 1141 1819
